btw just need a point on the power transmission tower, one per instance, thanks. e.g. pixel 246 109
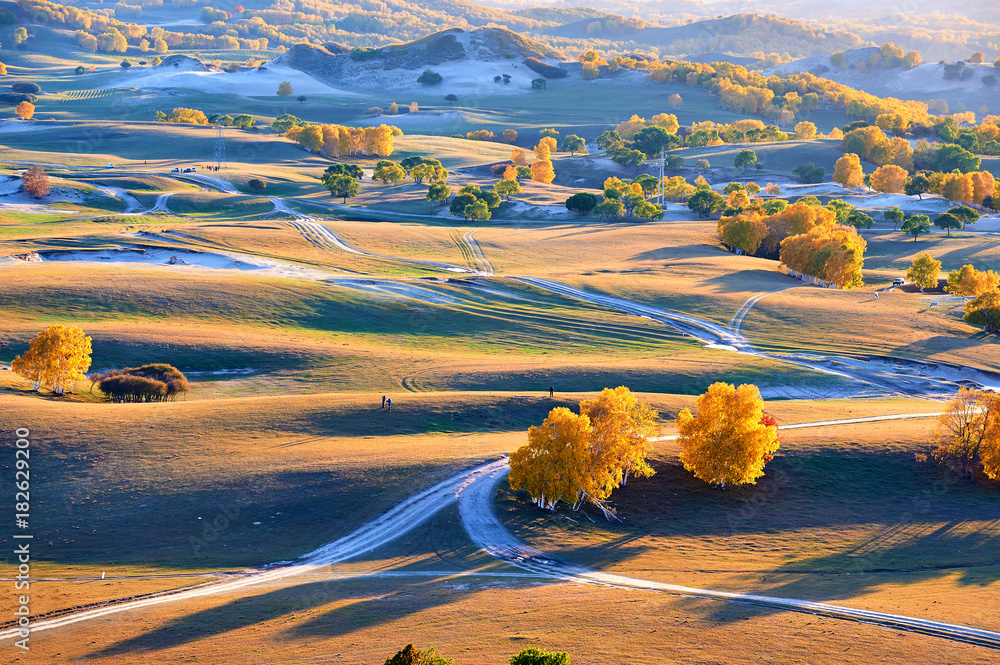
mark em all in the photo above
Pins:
pixel 220 148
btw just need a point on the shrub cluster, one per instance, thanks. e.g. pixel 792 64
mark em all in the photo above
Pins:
pixel 157 382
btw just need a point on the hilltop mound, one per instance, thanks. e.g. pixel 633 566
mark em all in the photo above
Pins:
pixel 464 59
pixel 185 63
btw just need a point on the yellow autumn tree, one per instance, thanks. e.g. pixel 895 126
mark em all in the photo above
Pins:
pixel 622 427
pixel 848 172
pixel 805 130
pixel 542 171
pixel 25 110
pixel 967 281
pixel 730 440
pixel 510 173
pixel 576 458
pixel 968 428
pixel 518 157
pixel 553 464
pixel 890 179
pixel 57 357
pixel 628 129
pixel 924 271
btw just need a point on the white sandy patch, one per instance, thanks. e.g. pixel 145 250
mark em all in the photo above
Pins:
pixel 161 256
pixel 250 83
pixel 12 126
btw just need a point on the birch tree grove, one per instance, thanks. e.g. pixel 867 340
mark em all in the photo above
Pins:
pixel 574 458
pixel 57 356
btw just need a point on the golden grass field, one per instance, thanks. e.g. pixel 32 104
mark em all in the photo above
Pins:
pixel 309 457
pixel 282 425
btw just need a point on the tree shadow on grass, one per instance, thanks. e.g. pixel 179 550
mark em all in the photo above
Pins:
pixel 900 554
pixel 362 609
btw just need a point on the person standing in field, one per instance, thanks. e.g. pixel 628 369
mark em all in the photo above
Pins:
pixel 383 402
pixel 388 404
pixel 552 391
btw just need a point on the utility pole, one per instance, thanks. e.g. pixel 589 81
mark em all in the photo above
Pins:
pixel 220 148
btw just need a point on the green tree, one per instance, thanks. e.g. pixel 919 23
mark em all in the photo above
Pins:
pixel 438 191
pixel 924 271
pixel 628 157
pixel 965 214
pixel 647 210
pixel 705 202
pixel 947 222
pixel 389 173
pixel 535 656
pixel 744 159
pixel 917 185
pixel 917 224
pixel 409 655
pixel 581 202
pixel 860 220
pixel 342 186
pixel 352 170
pixel 477 211
pixel 609 140
pixel 459 203
pixel 257 184
pixel 894 215
pixel 808 174
pixel 651 140
pixel 80 70
pixel 429 77
pixel 610 209
pixel 573 144
pixel 507 188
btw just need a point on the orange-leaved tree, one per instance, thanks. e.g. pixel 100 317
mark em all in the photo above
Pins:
pixel 25 110
pixel 848 172
pixel 967 281
pixel 35 182
pixel 576 458
pixel 969 430
pixel 57 356
pixel 542 171
pixel 730 440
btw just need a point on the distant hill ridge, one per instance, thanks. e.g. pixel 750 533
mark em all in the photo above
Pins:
pixel 385 67
pixel 739 34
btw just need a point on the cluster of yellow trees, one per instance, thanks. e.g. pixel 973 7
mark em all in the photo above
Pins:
pixel 834 254
pixel 872 144
pixel 99 32
pixel 574 458
pixel 57 356
pixel 628 129
pixel 808 237
pixel 541 169
pixel 581 458
pixel 973 187
pixel 339 141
